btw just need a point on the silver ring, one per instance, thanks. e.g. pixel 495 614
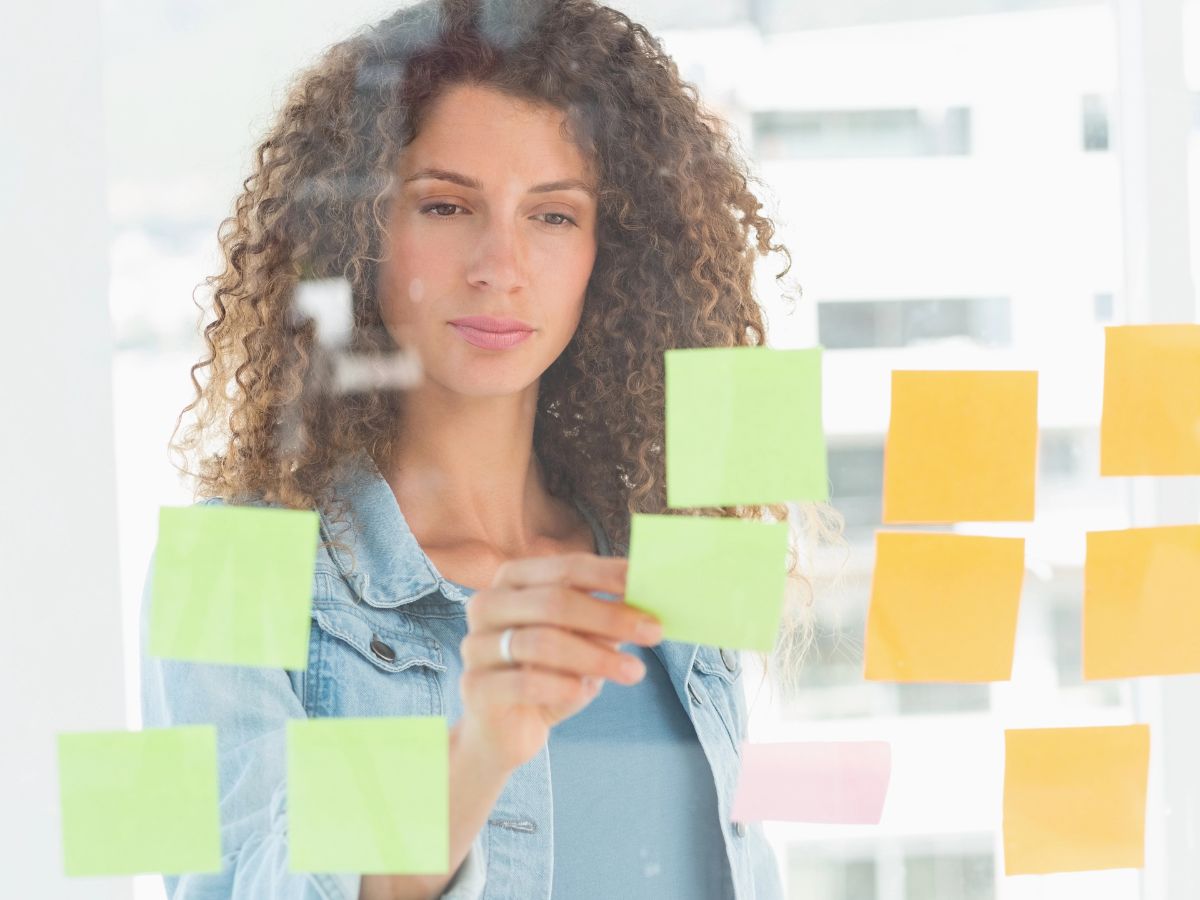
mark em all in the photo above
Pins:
pixel 506 646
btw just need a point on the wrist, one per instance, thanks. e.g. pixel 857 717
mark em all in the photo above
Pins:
pixel 473 751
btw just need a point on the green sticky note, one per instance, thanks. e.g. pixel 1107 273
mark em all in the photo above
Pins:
pixel 710 580
pixel 369 795
pixel 233 584
pixel 743 426
pixel 140 801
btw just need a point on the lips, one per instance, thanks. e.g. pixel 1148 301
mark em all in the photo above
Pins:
pixel 494 325
pixel 490 333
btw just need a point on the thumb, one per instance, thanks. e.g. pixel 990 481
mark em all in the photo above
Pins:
pixel 560 712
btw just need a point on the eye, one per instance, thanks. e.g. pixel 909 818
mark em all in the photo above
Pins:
pixel 425 210
pixel 567 220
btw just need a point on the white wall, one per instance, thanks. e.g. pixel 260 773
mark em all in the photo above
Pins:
pixel 60 639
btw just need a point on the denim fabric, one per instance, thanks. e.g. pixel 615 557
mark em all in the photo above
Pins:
pixel 382 587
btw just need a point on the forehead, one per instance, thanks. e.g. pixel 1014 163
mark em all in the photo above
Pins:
pixel 480 127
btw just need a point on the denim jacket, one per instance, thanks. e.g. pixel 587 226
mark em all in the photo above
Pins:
pixel 385 642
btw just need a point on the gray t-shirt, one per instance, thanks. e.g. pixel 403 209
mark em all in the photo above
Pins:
pixel 635 807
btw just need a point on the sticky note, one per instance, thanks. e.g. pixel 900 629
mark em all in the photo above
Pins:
pixel 961 447
pixel 825 782
pixel 943 607
pixel 233 584
pixel 1150 421
pixel 356 372
pixel 1141 612
pixel 717 581
pixel 329 302
pixel 1075 798
pixel 368 795
pixel 743 426
pixel 137 802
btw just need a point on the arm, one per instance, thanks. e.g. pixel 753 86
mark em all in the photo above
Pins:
pixel 250 708
pixel 767 883
pixel 564 643
pixel 475 785
pixel 509 710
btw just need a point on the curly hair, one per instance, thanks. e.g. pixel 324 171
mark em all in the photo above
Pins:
pixel 678 233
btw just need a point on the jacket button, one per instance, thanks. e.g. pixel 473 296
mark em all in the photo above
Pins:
pixel 692 693
pixel 382 650
pixel 740 828
pixel 729 657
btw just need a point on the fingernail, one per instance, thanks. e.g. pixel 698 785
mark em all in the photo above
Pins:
pixel 648 632
pixel 632 669
pixel 593 684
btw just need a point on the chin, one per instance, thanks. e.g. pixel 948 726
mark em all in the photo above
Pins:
pixel 475 374
pixel 482 383
pixel 480 391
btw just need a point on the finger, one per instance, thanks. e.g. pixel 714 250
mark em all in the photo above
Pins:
pixel 585 571
pixel 601 642
pixel 556 649
pixel 556 713
pixel 526 686
pixel 575 610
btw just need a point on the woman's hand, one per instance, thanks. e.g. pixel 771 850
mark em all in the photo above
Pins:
pixel 562 644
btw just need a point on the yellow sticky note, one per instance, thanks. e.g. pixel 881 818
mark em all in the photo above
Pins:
pixel 743 426
pixel 961 446
pixel 943 607
pixel 368 794
pixel 140 801
pixel 710 580
pixel 1140 610
pixel 1150 424
pixel 1075 798
pixel 233 585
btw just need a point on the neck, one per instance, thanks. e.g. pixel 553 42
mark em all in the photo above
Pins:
pixel 464 470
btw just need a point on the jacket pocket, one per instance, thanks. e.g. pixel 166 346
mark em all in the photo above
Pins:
pixel 362 664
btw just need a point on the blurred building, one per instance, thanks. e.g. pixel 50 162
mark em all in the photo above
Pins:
pixel 950 196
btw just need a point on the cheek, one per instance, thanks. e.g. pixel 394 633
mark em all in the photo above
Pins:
pixel 416 279
pixel 416 289
pixel 579 275
pixel 410 276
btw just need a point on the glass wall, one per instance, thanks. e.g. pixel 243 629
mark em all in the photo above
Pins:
pixel 949 188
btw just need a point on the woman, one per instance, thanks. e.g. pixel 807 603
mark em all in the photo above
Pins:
pixel 528 198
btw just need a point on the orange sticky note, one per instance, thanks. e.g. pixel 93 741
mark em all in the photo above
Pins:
pixel 961 446
pixel 1075 798
pixel 1150 423
pixel 943 607
pixel 1141 612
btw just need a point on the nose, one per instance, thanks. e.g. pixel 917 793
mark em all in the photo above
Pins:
pixel 498 261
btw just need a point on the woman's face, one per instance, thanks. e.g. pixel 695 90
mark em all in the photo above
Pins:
pixel 491 240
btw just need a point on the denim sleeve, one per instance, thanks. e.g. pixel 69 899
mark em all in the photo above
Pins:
pixel 250 708
pixel 764 866
pixel 767 883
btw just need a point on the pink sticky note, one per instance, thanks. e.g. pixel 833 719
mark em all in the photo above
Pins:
pixel 834 782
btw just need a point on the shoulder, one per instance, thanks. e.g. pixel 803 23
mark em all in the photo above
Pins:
pixel 325 564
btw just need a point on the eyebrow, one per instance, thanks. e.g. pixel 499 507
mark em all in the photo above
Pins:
pixel 565 184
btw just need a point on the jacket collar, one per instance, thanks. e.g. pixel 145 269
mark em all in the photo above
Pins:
pixel 380 557
pixel 387 568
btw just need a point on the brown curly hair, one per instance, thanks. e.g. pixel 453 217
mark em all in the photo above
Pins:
pixel 678 233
